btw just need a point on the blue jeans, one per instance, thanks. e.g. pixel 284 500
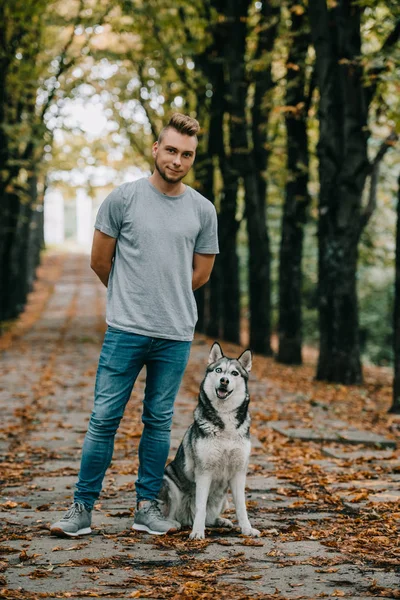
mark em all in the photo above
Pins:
pixel 122 357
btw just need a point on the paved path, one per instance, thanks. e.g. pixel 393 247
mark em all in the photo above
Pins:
pixel 45 400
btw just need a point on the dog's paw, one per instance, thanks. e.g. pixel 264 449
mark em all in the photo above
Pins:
pixel 221 522
pixel 197 534
pixel 250 531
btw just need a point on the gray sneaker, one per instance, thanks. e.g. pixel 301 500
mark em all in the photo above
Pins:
pixel 75 522
pixel 150 518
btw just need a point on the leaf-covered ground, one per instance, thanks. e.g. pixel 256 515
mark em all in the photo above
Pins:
pixel 328 510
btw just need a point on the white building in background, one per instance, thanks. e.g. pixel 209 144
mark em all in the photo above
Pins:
pixel 84 219
pixel 54 217
pixel 70 219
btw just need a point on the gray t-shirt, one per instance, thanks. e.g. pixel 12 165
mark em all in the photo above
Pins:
pixel 150 286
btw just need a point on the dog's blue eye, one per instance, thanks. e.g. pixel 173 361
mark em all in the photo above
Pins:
pixel 235 373
pixel 218 370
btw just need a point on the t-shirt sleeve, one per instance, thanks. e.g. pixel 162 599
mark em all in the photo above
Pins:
pixel 207 239
pixel 111 212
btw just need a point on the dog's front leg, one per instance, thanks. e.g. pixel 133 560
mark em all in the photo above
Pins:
pixel 238 484
pixel 203 482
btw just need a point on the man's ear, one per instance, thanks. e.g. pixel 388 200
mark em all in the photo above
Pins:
pixel 245 360
pixel 215 353
pixel 154 149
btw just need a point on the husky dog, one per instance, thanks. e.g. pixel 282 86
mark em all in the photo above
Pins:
pixel 214 452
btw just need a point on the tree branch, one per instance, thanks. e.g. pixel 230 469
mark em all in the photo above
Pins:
pixel 61 62
pixel 63 65
pixel 392 38
pixel 312 86
pixel 374 175
pixel 374 72
pixel 180 72
pixel 145 104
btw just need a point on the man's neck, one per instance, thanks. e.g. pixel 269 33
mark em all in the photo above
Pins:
pixel 169 189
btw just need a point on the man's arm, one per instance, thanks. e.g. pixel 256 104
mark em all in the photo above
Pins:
pixel 103 249
pixel 202 267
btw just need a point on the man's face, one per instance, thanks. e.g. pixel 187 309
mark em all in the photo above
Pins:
pixel 174 155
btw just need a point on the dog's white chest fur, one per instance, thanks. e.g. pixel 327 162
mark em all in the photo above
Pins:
pixel 222 456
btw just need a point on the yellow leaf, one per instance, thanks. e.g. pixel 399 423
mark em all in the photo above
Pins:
pixel 297 9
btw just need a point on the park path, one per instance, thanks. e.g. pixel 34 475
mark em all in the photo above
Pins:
pixel 46 393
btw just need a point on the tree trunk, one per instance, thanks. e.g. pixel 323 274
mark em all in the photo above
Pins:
pixel 259 268
pixel 223 294
pixel 9 215
pixel 343 167
pixel 214 304
pixel 204 176
pixel 228 228
pixel 19 278
pixel 18 29
pixel 296 199
pixel 256 184
pixel 242 166
pixel 395 408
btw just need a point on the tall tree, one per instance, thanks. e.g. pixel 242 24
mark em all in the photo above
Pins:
pixel 248 156
pixel 31 67
pixel 343 169
pixel 395 408
pixel 21 27
pixel 222 293
pixel 296 194
pixel 254 171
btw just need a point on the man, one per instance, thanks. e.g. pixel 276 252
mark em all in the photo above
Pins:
pixel 155 242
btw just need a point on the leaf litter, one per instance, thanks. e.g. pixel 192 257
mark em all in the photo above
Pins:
pixel 358 529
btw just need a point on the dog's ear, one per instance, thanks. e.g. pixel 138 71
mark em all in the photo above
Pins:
pixel 245 360
pixel 215 353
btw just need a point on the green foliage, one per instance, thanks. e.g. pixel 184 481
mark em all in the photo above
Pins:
pixel 144 59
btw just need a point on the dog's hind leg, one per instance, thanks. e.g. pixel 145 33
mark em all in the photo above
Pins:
pixel 238 483
pixel 203 483
pixel 221 522
pixel 213 518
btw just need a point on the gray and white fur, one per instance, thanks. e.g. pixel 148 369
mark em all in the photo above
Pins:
pixel 214 453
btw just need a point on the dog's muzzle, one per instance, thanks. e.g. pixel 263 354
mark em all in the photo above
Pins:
pixel 223 392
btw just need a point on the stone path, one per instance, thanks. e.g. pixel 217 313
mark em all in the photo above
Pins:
pixel 45 400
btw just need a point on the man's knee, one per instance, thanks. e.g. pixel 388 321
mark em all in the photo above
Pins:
pixel 158 422
pixel 103 426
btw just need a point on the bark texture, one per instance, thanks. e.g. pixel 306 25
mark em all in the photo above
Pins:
pixel 255 183
pixel 395 408
pixel 296 196
pixel 343 168
pixel 21 133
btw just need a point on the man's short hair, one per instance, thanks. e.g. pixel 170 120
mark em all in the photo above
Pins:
pixel 182 124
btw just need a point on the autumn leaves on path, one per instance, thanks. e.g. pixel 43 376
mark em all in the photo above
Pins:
pixel 328 511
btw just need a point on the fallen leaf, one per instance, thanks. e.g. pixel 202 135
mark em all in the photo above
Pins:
pixel 9 505
pixel 251 542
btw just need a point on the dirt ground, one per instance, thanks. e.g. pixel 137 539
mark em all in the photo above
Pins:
pixel 323 483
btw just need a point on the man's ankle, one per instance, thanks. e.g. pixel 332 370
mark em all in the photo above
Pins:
pixel 142 503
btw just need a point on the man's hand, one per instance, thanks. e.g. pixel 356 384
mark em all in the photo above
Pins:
pixel 202 267
pixel 103 250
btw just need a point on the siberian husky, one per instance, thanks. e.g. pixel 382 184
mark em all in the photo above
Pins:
pixel 214 452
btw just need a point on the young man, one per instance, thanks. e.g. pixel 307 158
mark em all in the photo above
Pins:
pixel 155 242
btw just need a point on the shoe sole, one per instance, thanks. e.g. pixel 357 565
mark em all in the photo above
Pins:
pixel 138 527
pixel 66 534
